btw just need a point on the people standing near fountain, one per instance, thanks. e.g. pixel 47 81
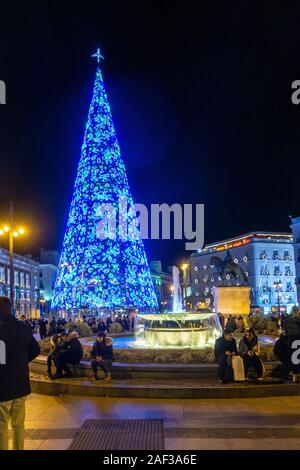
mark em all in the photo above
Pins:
pixel 101 326
pixel 225 349
pixel 231 323
pixel 249 350
pixel 102 356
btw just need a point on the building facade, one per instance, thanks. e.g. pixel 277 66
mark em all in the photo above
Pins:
pixel 295 226
pixel 49 261
pixel 267 259
pixel 27 298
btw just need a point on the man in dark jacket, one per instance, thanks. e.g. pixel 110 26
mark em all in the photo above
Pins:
pixel 43 328
pixel 225 348
pixel 102 356
pixel 20 348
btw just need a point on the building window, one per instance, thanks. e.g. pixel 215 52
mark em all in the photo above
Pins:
pixel 276 254
pixel 2 274
pixel 263 254
pixel 16 278
pixel 277 271
pixel 289 287
pixel 264 271
pixel 287 256
pixel 288 271
pixel 27 280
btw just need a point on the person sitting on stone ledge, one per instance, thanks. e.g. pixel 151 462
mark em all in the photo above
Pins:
pixel 249 349
pixel 283 351
pixel 102 356
pixel 225 348
pixel 71 353
pixel 57 343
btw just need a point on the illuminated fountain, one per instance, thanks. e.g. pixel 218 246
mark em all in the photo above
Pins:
pixel 177 329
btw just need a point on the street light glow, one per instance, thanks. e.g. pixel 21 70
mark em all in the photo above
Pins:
pixel 6 228
pixel 21 231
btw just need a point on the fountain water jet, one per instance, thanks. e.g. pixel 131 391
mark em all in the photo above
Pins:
pixel 177 329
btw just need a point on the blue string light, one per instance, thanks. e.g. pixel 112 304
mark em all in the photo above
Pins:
pixel 101 273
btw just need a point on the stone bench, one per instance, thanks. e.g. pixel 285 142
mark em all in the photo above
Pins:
pixel 136 370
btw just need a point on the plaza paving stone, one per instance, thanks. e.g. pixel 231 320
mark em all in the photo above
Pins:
pixel 244 423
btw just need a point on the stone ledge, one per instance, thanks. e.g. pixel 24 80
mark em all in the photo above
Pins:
pixel 204 388
pixel 132 370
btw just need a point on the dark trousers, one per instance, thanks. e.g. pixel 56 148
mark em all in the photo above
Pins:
pixel 43 334
pixel 51 358
pixel 104 364
pixel 255 362
pixel 225 372
pixel 62 360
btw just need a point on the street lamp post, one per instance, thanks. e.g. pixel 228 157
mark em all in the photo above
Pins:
pixel 184 267
pixel 12 234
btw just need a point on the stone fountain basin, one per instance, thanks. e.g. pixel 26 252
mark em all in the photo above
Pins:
pixel 183 329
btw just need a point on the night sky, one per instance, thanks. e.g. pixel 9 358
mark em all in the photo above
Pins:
pixel 201 100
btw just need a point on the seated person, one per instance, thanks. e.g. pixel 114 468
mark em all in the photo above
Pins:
pixel 102 356
pixel 249 350
pixel 71 353
pixel 225 348
pixel 283 351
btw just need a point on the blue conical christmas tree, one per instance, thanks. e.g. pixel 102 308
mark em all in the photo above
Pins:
pixel 97 272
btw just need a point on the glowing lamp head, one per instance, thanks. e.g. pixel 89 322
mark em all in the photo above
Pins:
pixel 15 234
pixel 21 231
pixel 184 266
pixel 1 232
pixel 6 229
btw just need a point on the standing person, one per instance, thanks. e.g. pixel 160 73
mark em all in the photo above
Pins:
pixel 225 349
pixel 20 348
pixel 52 328
pixel 101 327
pixel 108 322
pixel 249 350
pixel 221 320
pixel 43 328
pixel 231 323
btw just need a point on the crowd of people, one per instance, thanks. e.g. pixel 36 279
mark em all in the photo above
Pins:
pixel 237 351
pixel 47 328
